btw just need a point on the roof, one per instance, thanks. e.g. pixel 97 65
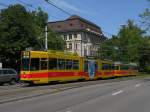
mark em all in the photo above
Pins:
pixel 54 54
pixel 82 19
pixel 83 30
pixel 77 17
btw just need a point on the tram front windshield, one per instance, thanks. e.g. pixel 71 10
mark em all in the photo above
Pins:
pixel 25 64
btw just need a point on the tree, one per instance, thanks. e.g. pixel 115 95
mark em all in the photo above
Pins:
pixel 127 45
pixel 17 32
pixel 109 49
pixel 145 18
pixel 145 54
pixel 55 41
pixel 130 38
pixel 21 29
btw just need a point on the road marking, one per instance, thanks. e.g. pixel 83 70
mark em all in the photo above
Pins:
pixel 137 85
pixel 116 93
pixel 68 111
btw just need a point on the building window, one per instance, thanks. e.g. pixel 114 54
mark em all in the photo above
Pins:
pixel 70 36
pixel 76 46
pixel 71 24
pixel 75 35
pixel 58 26
pixel 65 37
pixel 85 51
pixel 70 46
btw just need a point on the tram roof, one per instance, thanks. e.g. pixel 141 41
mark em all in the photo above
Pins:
pixel 53 53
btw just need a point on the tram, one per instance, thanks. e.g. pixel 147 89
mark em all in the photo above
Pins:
pixel 121 69
pixel 39 67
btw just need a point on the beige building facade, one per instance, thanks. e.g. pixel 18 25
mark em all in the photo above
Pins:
pixel 82 36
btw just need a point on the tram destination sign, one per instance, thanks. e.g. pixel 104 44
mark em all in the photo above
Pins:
pixel 26 54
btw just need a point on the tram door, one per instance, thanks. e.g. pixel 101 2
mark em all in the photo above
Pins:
pixel 89 67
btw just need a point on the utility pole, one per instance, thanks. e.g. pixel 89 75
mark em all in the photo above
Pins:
pixel 46 43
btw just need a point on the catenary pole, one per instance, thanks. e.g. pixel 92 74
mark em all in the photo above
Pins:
pixel 46 43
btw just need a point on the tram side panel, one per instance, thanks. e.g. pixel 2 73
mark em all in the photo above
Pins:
pixel 106 69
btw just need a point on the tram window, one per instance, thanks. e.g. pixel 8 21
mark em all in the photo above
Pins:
pixel 124 67
pixel 116 67
pixel 75 65
pixel 61 64
pixel 25 64
pixel 112 67
pixel 34 64
pixel 52 64
pixel 85 66
pixel 96 66
pixel 69 64
pixel 106 66
pixel 44 64
pixel 133 68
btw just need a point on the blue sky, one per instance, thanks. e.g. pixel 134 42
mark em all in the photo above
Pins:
pixel 108 14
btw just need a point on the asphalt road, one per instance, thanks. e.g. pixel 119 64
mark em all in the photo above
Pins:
pixel 122 96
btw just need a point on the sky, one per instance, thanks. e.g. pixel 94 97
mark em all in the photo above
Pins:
pixel 108 14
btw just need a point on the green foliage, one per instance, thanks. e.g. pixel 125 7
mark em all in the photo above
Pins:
pixel 40 18
pixel 17 31
pixel 145 52
pixel 130 45
pixel 130 38
pixel 21 29
pixel 15 26
pixel 109 49
pixel 145 18
pixel 55 41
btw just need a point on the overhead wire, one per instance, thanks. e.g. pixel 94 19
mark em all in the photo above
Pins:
pixel 53 4
pixel 31 6
pixel 26 4
pixel 68 13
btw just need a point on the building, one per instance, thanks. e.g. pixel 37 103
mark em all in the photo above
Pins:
pixel 81 35
pixel 0 65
